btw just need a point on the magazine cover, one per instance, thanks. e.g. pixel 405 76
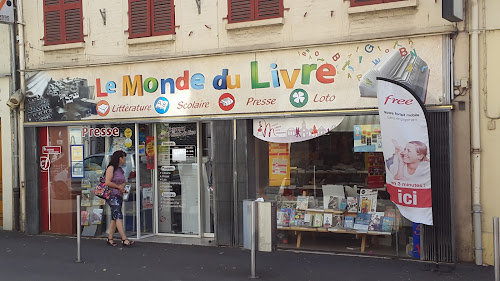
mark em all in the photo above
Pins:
pixel 331 202
pixel 342 204
pixel 96 216
pixel 368 197
pixel 318 220
pixel 85 218
pixel 327 220
pixel 298 218
pixel 352 204
pixel 338 221
pixel 387 224
pixel 362 221
pixel 302 202
pixel 85 201
pixel 307 220
pixel 349 222
pixel 98 201
pixel 284 217
pixel 376 221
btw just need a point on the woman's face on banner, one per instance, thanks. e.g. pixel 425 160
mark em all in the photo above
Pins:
pixel 410 154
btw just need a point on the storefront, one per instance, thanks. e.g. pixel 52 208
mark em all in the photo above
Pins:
pixel 295 126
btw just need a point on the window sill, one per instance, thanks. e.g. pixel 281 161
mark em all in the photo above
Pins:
pixel 258 23
pixel 151 39
pixel 382 7
pixel 69 46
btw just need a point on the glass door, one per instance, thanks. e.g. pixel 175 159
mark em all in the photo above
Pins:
pixel 177 179
pixel 145 191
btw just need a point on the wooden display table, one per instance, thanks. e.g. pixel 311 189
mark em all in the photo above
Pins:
pixel 359 234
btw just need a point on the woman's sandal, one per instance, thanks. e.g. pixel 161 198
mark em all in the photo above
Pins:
pixel 110 242
pixel 130 243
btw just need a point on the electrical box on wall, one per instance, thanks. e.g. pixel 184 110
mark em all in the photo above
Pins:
pixel 453 10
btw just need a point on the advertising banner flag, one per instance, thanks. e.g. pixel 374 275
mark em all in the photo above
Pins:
pixel 405 144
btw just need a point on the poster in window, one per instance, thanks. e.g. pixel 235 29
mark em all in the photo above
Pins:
pixel 279 164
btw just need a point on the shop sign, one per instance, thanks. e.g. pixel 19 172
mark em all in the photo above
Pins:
pixel 290 130
pixel 44 163
pixel 51 150
pixel 6 11
pixel 406 150
pixel 293 80
pixel 100 132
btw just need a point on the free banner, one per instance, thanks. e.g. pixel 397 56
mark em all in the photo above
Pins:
pixel 405 145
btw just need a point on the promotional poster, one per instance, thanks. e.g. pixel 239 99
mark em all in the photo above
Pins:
pixel 406 150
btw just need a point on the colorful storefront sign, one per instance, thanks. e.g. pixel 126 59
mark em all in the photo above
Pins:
pixel 294 80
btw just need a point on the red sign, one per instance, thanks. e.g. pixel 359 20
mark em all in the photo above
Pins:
pixel 51 150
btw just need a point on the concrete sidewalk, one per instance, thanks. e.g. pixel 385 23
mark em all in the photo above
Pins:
pixel 24 257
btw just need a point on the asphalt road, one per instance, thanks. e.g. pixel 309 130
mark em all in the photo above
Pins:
pixel 24 257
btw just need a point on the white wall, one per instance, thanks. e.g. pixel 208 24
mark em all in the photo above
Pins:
pixel 5 119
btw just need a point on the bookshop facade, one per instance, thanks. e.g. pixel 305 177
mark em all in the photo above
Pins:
pixel 298 127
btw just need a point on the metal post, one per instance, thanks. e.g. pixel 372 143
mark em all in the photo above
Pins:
pixel 78 227
pixel 252 242
pixel 495 244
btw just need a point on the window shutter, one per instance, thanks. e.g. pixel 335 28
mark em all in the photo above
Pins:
pixel 355 3
pixel 163 17
pixel 52 22
pixel 267 9
pixel 139 15
pixel 73 21
pixel 240 10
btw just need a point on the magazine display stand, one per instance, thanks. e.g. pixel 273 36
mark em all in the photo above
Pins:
pixel 316 219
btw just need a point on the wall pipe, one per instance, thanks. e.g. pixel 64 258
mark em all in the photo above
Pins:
pixel 476 140
pixel 14 112
pixel 22 63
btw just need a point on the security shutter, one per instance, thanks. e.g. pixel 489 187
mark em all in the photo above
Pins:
pixel 62 21
pixel 163 17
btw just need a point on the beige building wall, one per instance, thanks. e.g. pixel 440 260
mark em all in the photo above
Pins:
pixel 489 59
pixel 305 23
pixel 5 119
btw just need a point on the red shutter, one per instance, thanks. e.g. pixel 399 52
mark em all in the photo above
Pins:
pixel 267 9
pixel 139 15
pixel 355 3
pixel 73 21
pixel 52 22
pixel 163 17
pixel 240 10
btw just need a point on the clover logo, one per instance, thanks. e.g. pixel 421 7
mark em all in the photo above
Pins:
pixel 299 97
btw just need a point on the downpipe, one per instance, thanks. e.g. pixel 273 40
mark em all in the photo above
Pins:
pixel 476 140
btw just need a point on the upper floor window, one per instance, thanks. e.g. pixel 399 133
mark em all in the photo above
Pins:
pixel 355 3
pixel 249 10
pixel 151 18
pixel 62 21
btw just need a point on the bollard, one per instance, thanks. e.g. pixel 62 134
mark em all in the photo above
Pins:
pixel 78 227
pixel 252 241
pixel 495 245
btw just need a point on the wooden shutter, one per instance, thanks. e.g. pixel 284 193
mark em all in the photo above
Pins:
pixel 139 18
pixel 355 3
pixel 52 22
pixel 240 10
pixel 163 17
pixel 267 9
pixel 62 21
pixel 73 26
